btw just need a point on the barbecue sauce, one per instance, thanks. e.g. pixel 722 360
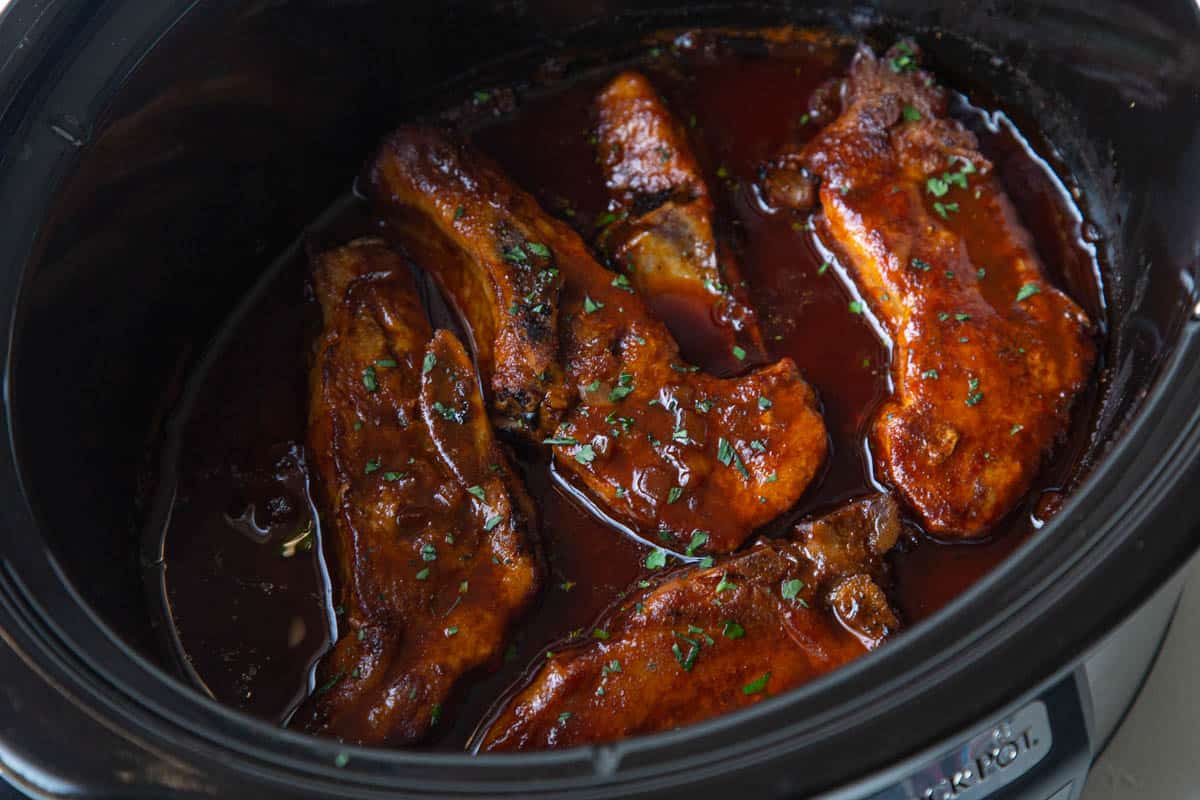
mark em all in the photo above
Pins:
pixel 247 592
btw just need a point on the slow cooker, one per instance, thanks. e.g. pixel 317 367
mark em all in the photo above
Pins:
pixel 156 155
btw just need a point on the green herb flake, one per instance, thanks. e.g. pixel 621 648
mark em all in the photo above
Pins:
pixel 704 406
pixel 674 494
pixel 657 559
pixel 962 317
pixel 732 630
pixel 739 353
pixel 393 476
pixel 563 440
pixel 341 760
pixel 1015 429
pixel 856 307
pixel 937 187
pixel 478 491
pixel 600 633
pixel 491 522
pixel 591 306
pixel 451 631
pixel 930 374
pixel 757 685
pixel 911 114
pixel 459 213
pixel 369 380
pixel 386 363
pixel 923 266
pixel 423 574
pixel 538 249
pixel 585 454
pixel 564 716
pixel 372 465
pixel 1027 291
pixel 821 270
pixel 435 714
pixel 790 589
pixel 725 584
pixel 699 539
pixel 621 282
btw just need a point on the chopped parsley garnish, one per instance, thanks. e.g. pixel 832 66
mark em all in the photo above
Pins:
pixel 538 249
pixel 372 465
pixel 705 562
pixel 451 631
pixel 725 584
pixel 386 363
pixel 593 386
pixel 943 316
pixel 657 559
pixel 621 282
pixel 423 574
pixel 911 114
pixel 1027 291
pixel 585 454
pixel 856 307
pixel 341 760
pixel 980 273
pixel 428 364
pixel 680 435
pixel 459 213
pixel 482 96
pixel 393 476
pixel 962 317
pixel 600 633
pixel 1015 429
pixel 564 716
pixel 921 265
pixel 821 270
pixel 591 306
pixel 478 491
pixel 428 552
pixel 623 388
pixel 790 589
pixel 368 379
pixel 973 393
pixel 936 186
pixel 739 353
pixel 945 209
pixel 605 219
pixel 559 440
pixel 764 403
pixel 674 494
pixel 757 685
pixel 491 522
pixel 435 714
pixel 699 539
pixel 689 660
pixel 903 62
pixel 732 630
pixel 515 255
pixel 774 476
pixel 704 406
pixel 930 374
pixel 447 413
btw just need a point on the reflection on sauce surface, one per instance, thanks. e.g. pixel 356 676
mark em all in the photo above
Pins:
pixel 252 621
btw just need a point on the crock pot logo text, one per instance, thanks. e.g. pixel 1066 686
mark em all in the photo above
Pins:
pixel 998 756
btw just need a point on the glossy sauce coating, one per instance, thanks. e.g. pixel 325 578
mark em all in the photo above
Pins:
pixel 749 101
pixel 695 461
pixel 432 532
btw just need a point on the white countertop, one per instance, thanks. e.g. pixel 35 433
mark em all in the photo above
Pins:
pixel 1154 754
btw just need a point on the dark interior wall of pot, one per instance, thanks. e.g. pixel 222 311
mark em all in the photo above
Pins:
pixel 249 118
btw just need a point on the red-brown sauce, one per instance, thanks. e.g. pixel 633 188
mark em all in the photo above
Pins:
pixel 252 622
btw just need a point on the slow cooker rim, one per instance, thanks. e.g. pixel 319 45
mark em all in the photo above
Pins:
pixel 328 750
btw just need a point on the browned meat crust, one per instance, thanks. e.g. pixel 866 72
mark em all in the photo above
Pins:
pixel 661 447
pixel 430 526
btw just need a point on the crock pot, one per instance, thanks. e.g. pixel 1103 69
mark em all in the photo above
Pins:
pixel 157 155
